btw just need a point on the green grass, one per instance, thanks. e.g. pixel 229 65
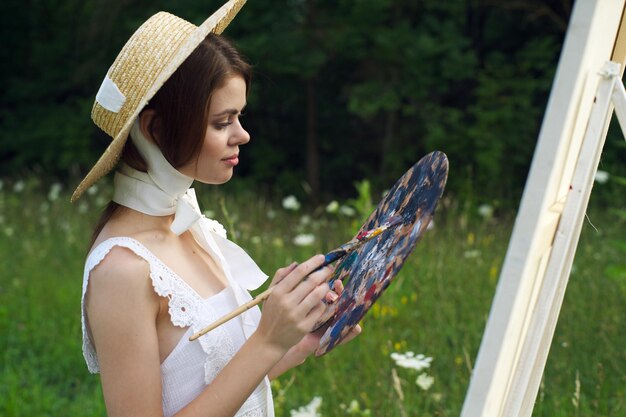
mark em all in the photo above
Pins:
pixel 438 306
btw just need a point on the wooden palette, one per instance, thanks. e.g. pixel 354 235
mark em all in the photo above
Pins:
pixel 371 268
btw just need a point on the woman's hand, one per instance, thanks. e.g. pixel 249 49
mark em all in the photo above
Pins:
pixel 295 305
pixel 311 341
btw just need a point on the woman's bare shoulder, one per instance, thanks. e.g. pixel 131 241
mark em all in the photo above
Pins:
pixel 121 263
pixel 121 273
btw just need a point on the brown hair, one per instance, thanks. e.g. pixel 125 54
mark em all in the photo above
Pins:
pixel 182 105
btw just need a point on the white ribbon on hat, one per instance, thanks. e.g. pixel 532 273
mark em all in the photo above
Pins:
pixel 109 96
pixel 164 190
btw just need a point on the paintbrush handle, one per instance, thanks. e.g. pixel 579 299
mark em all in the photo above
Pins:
pixel 239 310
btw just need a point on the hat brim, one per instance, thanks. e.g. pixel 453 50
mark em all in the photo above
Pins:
pixel 216 23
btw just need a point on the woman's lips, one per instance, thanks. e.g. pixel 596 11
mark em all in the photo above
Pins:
pixel 232 160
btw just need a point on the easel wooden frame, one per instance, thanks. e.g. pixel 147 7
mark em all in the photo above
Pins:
pixel 523 316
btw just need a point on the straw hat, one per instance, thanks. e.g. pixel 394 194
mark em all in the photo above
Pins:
pixel 148 59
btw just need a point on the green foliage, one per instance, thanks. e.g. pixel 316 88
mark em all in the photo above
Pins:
pixel 363 202
pixel 371 86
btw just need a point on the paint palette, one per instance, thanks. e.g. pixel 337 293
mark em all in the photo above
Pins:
pixel 371 268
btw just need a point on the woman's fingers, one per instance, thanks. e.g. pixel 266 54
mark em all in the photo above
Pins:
pixel 356 330
pixel 327 314
pixel 338 286
pixel 313 280
pixel 283 272
pixel 331 297
pixel 297 275
pixel 336 291
pixel 313 301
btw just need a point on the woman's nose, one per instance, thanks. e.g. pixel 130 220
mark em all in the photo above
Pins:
pixel 241 135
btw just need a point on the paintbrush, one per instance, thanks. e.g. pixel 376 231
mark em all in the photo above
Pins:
pixel 330 257
pixel 360 238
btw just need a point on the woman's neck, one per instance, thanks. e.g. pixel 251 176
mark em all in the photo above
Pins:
pixel 130 222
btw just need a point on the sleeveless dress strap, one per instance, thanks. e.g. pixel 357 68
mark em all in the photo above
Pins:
pixel 183 302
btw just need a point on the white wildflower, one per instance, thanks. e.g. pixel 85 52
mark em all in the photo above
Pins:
pixel 347 211
pixel 255 240
pixel 305 220
pixel 83 207
pixel 485 211
pixel 354 407
pixel 101 201
pixel 411 361
pixel 332 207
pixel 291 203
pixel 304 239
pixel 474 253
pixel 602 177
pixel 18 187
pixel 55 189
pixel 209 213
pixel 424 381
pixel 93 190
pixel 309 410
pixel 437 396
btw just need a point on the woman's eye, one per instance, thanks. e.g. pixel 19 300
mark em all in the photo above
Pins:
pixel 222 125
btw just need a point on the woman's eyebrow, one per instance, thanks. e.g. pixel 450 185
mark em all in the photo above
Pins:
pixel 230 112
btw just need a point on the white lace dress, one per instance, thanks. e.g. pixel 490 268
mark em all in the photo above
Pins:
pixel 182 378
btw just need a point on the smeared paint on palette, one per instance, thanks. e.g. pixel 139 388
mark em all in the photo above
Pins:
pixel 371 268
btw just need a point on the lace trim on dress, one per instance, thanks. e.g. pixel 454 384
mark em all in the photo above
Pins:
pixel 186 308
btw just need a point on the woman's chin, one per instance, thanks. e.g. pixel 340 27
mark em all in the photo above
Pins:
pixel 216 180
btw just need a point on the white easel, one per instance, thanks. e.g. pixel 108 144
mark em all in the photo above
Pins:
pixel 523 316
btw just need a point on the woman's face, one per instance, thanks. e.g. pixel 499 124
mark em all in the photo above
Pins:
pixel 223 137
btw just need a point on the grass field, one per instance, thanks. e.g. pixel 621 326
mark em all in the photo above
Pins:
pixel 437 307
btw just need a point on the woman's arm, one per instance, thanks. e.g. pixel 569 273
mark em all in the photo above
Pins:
pixel 121 309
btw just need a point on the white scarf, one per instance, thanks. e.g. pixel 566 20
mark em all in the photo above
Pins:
pixel 162 191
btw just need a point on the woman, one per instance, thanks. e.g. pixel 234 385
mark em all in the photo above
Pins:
pixel 158 271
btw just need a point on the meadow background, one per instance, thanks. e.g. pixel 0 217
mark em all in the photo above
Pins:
pixel 347 96
pixel 436 307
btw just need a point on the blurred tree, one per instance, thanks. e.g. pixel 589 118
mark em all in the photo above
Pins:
pixel 344 89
